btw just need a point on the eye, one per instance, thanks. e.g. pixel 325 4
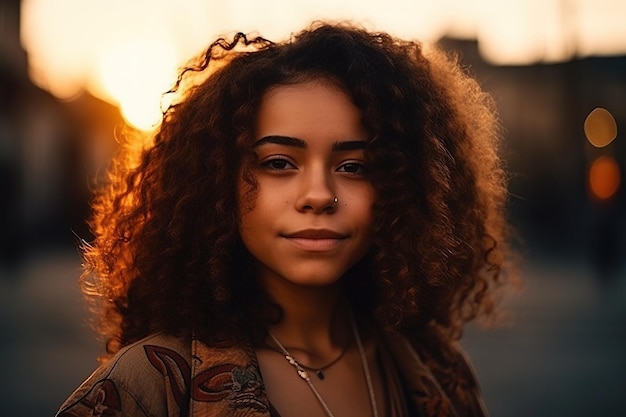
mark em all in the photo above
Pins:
pixel 277 164
pixel 354 168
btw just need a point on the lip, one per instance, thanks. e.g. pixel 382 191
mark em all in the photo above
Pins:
pixel 315 234
pixel 316 240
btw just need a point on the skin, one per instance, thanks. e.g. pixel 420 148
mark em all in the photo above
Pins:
pixel 310 149
pixel 310 146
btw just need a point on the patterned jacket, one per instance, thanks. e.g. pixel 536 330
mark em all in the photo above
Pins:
pixel 163 376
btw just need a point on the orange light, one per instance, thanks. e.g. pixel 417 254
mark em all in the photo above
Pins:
pixel 600 127
pixel 604 178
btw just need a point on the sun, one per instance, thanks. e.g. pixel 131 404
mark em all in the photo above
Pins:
pixel 135 75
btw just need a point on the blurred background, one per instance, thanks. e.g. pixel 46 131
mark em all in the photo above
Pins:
pixel 73 72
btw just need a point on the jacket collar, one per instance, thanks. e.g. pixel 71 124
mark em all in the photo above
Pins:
pixel 226 382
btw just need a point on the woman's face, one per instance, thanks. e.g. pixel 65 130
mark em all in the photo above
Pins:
pixel 310 146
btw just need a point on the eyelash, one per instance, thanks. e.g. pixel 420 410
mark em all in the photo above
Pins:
pixel 287 165
pixel 268 164
pixel 359 165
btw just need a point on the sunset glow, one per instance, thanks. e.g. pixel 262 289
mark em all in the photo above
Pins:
pixel 134 75
pixel 128 52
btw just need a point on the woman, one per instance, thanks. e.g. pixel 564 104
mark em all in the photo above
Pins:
pixel 312 226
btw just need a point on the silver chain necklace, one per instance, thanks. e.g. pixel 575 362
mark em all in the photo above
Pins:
pixel 302 372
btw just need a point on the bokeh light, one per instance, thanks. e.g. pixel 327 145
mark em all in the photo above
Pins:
pixel 604 178
pixel 600 127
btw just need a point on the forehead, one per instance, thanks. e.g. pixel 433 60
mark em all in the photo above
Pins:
pixel 310 110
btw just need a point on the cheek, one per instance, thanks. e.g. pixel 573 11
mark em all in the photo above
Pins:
pixel 360 211
pixel 365 207
pixel 255 216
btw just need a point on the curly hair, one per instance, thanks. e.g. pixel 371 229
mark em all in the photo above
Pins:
pixel 167 255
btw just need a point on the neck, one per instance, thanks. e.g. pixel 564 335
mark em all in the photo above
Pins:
pixel 315 319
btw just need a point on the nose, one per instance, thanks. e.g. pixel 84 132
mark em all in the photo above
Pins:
pixel 316 192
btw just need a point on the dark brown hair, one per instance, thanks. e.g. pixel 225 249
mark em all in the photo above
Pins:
pixel 167 254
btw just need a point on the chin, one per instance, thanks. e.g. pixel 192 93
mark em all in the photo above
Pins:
pixel 313 277
pixel 314 281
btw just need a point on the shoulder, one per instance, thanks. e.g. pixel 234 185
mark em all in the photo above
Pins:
pixel 441 378
pixel 148 378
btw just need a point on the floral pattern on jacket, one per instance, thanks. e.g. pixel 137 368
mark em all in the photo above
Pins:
pixel 163 376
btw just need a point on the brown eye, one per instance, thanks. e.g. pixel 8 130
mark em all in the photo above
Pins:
pixel 356 168
pixel 278 164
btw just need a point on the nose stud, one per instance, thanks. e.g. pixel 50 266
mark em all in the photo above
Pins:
pixel 335 201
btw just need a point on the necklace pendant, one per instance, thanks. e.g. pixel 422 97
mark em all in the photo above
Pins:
pixel 303 374
pixel 319 373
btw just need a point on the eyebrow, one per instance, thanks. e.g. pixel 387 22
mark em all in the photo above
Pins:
pixel 281 140
pixel 349 145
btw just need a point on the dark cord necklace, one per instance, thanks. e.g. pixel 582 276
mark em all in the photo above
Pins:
pixel 319 372
pixel 302 373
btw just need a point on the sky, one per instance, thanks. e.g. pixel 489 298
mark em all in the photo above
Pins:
pixel 105 46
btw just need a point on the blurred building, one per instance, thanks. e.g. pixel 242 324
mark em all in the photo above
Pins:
pixel 543 108
pixel 49 150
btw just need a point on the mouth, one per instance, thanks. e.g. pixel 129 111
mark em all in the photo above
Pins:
pixel 315 234
pixel 316 240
